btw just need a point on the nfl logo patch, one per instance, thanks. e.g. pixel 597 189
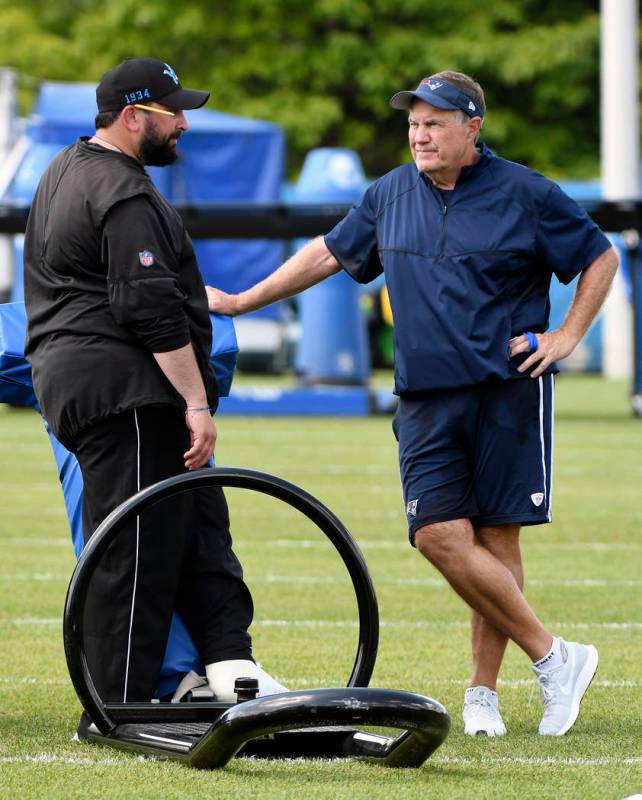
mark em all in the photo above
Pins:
pixel 146 258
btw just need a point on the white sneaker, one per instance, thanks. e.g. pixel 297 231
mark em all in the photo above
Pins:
pixel 563 688
pixel 481 712
pixel 268 684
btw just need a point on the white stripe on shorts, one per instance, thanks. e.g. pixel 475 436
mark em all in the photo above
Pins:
pixel 540 383
pixel 549 510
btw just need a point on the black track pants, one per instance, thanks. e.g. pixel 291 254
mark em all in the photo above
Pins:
pixel 176 555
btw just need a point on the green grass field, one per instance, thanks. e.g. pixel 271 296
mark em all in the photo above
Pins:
pixel 584 578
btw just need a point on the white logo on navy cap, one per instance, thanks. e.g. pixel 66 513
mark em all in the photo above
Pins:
pixel 471 105
pixel 169 71
pixel 434 85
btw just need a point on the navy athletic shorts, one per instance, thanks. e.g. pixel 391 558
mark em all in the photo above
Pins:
pixel 482 453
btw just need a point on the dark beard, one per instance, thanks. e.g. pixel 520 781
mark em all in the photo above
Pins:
pixel 154 150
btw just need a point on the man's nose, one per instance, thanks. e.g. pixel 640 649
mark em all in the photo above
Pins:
pixel 181 121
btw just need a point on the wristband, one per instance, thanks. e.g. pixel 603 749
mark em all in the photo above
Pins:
pixel 531 338
pixel 197 408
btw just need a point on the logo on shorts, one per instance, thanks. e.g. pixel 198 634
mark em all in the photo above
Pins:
pixel 537 498
pixel 411 508
pixel 146 258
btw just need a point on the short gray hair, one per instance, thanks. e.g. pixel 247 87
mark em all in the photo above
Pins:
pixel 465 84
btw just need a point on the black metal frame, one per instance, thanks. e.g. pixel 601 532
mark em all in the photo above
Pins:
pixel 303 723
pixel 291 221
pixel 106 716
pixel 299 220
pixel 310 723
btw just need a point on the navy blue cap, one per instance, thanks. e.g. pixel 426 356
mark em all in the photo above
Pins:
pixel 440 94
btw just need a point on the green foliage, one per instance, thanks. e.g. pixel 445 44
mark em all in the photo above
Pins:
pixel 326 69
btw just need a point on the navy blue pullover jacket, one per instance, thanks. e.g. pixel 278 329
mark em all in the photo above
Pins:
pixel 467 269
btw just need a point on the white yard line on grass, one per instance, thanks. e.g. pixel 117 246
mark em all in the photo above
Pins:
pixel 550 761
pixel 52 758
pixel 401 582
pixel 36 541
pixel 397 543
pixel 24 681
pixel 393 543
pixel 34 576
pixel 339 623
pixel 330 581
pixel 523 683
pixel 317 682
pixel 419 624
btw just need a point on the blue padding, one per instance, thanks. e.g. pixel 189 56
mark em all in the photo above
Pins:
pixel 15 372
pixel 318 401
pixel 224 351
pixel 16 388
pixel 234 266
pixel 71 482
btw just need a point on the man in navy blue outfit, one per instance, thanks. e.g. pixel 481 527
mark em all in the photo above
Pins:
pixel 468 243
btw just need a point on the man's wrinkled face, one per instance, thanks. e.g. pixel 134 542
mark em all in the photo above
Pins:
pixel 440 141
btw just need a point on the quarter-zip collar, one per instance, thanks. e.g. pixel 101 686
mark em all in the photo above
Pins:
pixel 470 170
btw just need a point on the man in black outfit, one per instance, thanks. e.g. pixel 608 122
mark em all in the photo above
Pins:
pixel 119 339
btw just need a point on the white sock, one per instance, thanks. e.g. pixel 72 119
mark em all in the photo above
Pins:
pixel 471 689
pixel 552 659
pixel 222 674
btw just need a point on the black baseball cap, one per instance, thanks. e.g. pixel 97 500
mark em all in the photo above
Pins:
pixel 440 94
pixel 145 80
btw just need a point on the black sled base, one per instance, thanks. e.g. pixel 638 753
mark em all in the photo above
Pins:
pixel 317 723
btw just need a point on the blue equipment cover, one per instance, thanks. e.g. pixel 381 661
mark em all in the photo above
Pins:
pixel 334 341
pixel 16 388
pixel 224 158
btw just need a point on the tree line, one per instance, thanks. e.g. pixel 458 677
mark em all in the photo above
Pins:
pixel 325 69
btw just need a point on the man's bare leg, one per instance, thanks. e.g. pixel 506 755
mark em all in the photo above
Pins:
pixel 484 583
pixel 488 643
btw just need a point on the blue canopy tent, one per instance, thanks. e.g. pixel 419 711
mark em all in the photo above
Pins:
pixel 224 158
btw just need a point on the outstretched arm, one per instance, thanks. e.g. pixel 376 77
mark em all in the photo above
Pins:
pixel 592 288
pixel 310 265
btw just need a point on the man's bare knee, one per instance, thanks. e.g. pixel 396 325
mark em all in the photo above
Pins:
pixel 440 542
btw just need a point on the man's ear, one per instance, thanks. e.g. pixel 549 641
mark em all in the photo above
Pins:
pixel 475 126
pixel 131 119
